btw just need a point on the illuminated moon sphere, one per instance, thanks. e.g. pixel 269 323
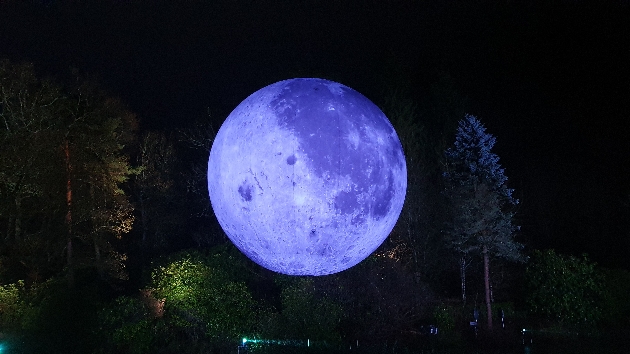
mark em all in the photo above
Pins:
pixel 307 177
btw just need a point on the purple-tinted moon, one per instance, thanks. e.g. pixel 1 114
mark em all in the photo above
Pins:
pixel 307 177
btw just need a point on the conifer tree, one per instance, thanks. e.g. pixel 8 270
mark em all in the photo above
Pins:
pixel 481 205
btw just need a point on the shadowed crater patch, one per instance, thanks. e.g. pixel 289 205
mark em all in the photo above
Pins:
pixel 245 190
pixel 384 196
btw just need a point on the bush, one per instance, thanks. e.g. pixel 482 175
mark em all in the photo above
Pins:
pixel 564 289
pixel 305 314
pixel 445 318
pixel 131 328
pixel 191 305
pixel 13 307
pixel 201 300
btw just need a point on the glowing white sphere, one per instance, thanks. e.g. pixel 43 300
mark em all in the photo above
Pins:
pixel 307 177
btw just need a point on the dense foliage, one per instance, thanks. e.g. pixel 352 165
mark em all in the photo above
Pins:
pixel 564 289
pixel 304 313
pixel 191 301
pixel 62 168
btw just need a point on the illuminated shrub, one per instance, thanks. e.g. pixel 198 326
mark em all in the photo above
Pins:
pixel 193 304
pixel 201 300
pixel 12 306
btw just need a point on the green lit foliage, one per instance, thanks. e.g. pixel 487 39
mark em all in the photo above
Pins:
pixel 202 300
pixel 13 306
pixel 21 308
pixel 195 303
pixel 566 290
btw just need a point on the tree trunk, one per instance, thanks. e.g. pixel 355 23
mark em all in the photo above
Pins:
pixel 10 229
pixel 70 275
pixel 462 274
pixel 486 277
pixel 69 261
pixel 145 226
pixel 99 265
pixel 18 218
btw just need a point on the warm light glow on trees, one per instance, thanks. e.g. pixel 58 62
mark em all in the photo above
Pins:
pixel 61 170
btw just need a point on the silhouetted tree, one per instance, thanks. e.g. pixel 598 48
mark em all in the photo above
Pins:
pixel 416 239
pixel 196 142
pixel 28 214
pixel 424 125
pixel 95 130
pixel 160 212
pixel 410 237
pixel 61 174
pixel 481 205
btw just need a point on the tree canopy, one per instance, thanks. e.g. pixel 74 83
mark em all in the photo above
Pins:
pixel 481 205
pixel 62 167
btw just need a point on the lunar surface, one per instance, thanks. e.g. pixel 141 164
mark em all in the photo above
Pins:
pixel 307 177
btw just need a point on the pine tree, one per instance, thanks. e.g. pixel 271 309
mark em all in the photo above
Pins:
pixel 481 205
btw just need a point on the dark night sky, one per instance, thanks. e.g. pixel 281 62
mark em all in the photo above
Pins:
pixel 551 79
